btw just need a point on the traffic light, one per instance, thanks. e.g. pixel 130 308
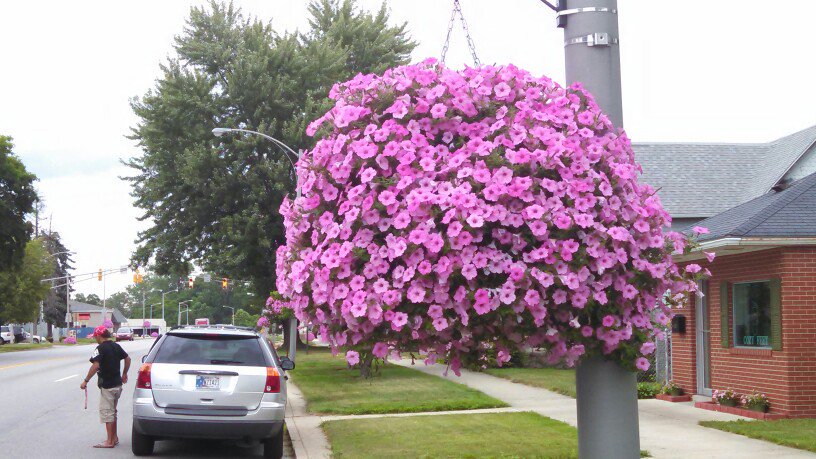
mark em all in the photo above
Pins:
pixel 137 277
pixel 224 283
pixel 100 274
pixel 190 282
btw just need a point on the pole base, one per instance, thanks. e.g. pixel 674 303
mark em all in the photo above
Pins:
pixel 607 411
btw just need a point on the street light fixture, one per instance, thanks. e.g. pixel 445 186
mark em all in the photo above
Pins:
pixel 186 303
pixel 233 313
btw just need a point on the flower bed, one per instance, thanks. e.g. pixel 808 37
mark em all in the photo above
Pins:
pixel 674 398
pixel 711 406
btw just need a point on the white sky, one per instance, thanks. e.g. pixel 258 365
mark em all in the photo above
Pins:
pixel 730 70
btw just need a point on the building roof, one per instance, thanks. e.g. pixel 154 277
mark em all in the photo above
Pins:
pixel 790 213
pixel 704 179
pixel 117 315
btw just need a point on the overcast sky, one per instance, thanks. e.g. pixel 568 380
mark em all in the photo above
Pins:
pixel 693 71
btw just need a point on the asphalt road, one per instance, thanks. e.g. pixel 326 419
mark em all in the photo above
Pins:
pixel 42 411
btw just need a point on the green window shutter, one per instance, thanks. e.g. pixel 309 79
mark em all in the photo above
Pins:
pixel 776 314
pixel 725 330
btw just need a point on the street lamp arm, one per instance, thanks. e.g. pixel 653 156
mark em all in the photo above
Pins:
pixel 218 132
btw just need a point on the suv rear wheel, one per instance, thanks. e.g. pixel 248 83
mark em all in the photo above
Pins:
pixel 141 445
pixel 273 447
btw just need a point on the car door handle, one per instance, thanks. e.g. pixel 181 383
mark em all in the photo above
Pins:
pixel 208 372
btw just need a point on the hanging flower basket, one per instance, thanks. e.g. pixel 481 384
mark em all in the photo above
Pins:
pixel 462 213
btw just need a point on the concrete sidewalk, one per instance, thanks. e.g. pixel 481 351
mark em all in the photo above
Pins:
pixel 667 430
pixel 308 439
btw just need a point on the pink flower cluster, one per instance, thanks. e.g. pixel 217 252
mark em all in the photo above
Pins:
pixel 450 212
pixel 275 306
pixel 262 322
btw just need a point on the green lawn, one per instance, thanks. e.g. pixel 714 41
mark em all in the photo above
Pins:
pixel 554 379
pixel 453 435
pixel 23 347
pixel 331 388
pixel 796 433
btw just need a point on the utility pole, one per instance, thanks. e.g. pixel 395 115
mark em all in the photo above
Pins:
pixel 606 393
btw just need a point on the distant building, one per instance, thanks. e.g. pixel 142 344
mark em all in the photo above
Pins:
pixel 84 315
pixel 700 180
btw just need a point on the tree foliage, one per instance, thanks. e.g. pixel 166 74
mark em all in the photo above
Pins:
pixel 215 201
pixel 20 288
pixel 17 198
pixel 60 262
pixel 206 299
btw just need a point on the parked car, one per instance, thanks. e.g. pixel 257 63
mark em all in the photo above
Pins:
pixel 124 334
pixel 34 338
pixel 216 382
pixel 6 335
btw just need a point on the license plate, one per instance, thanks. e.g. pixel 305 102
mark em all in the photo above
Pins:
pixel 208 382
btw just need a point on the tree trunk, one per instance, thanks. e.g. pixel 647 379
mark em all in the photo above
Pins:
pixel 50 335
pixel 366 362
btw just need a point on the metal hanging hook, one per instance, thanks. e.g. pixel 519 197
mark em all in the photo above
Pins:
pixel 457 10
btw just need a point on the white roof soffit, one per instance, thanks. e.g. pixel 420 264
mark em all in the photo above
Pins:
pixel 734 245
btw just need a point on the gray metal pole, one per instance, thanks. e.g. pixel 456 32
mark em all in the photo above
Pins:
pixel 592 52
pixel 606 393
pixel 292 338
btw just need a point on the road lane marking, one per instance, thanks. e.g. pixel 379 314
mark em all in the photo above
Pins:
pixel 33 362
pixel 67 377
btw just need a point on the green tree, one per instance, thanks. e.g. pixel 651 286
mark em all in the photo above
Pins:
pixel 60 260
pixel 206 299
pixel 215 201
pixel 245 319
pixel 17 198
pixel 21 288
pixel 92 298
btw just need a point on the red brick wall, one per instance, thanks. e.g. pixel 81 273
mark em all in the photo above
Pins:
pixel 788 376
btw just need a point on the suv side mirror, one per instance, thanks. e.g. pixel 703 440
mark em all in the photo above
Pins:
pixel 287 364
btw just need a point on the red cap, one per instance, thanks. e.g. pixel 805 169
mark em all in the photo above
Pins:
pixel 98 331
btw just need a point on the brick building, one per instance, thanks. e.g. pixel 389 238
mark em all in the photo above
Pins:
pixel 755 327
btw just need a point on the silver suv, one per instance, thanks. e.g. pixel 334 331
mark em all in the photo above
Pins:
pixel 213 381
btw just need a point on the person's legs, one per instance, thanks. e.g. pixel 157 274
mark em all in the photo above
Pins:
pixel 107 415
pixel 117 394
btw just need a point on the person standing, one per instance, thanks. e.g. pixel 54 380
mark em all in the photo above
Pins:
pixel 105 364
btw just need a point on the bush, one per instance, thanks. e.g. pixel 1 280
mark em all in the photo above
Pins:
pixel 648 389
pixel 756 402
pixel 726 398
pixel 70 340
pixel 672 389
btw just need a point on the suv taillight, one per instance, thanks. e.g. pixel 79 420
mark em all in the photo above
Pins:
pixel 272 381
pixel 143 380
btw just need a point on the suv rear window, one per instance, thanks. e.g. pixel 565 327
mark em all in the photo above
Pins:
pixel 211 350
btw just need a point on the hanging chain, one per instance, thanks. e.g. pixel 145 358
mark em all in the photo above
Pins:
pixel 457 9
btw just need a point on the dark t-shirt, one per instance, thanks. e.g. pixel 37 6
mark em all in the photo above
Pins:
pixel 108 354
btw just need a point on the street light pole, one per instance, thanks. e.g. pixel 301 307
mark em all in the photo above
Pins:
pixel 606 393
pixel 179 311
pixel 218 132
pixel 67 295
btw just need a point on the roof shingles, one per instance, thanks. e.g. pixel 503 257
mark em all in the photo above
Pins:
pixel 701 180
